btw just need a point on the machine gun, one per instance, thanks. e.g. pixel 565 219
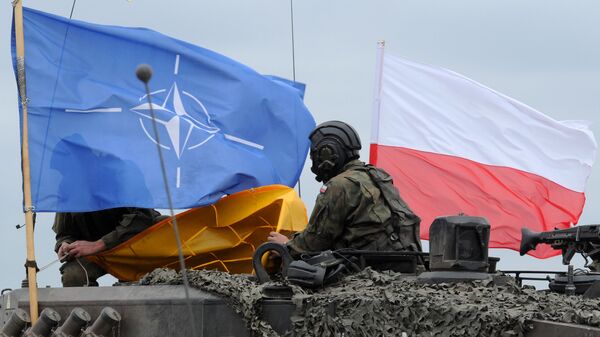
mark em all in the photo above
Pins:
pixel 583 239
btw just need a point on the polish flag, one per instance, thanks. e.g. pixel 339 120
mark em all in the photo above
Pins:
pixel 455 146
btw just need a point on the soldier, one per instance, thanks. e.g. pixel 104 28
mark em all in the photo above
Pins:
pixel 358 207
pixel 88 233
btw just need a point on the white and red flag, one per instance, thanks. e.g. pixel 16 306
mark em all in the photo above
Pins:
pixel 455 146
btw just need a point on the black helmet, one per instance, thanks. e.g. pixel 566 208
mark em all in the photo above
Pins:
pixel 333 144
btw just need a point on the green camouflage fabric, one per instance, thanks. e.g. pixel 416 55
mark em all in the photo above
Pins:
pixel 372 303
pixel 351 212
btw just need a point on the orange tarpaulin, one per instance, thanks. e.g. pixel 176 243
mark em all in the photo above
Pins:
pixel 220 236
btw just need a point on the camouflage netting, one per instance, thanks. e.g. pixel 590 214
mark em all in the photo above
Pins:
pixel 387 304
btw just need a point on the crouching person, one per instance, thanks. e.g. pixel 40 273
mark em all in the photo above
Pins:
pixel 89 233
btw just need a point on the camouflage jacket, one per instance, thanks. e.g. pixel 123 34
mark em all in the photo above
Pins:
pixel 351 212
pixel 113 226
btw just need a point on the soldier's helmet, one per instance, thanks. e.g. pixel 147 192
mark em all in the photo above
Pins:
pixel 333 144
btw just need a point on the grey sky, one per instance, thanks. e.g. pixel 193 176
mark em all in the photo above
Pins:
pixel 544 53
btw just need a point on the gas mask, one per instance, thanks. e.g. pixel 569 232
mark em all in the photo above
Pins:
pixel 328 159
pixel 333 144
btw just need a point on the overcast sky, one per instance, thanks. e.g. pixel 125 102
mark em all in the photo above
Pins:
pixel 544 53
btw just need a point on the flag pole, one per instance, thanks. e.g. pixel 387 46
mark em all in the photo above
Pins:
pixel 376 102
pixel 28 207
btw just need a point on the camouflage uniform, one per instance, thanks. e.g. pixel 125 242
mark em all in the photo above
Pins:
pixel 351 212
pixel 112 226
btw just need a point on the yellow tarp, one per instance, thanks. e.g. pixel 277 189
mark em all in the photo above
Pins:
pixel 220 236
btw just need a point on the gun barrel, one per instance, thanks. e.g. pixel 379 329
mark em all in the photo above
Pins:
pixel 570 240
pixel 529 240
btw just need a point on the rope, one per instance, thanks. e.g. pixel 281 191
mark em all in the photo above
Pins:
pixel 48 265
pixel 87 278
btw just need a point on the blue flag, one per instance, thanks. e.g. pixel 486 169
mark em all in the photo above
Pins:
pixel 222 127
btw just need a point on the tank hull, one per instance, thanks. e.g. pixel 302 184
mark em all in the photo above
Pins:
pixel 162 310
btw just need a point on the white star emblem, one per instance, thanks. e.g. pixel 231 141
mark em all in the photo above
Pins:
pixel 179 124
pixel 184 131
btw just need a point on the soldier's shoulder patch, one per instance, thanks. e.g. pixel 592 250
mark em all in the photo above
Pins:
pixel 323 188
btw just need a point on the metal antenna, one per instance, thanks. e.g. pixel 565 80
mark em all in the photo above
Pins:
pixel 293 43
pixel 72 9
pixel 294 70
pixel 144 73
pixel 60 60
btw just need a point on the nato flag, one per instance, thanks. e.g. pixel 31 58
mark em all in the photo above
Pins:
pixel 222 127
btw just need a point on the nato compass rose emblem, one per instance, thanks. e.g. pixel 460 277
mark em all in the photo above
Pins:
pixel 172 108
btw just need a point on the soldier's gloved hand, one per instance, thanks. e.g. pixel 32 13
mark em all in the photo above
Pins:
pixel 278 238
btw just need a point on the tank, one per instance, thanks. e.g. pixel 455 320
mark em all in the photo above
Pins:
pixel 387 297
pixel 162 310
